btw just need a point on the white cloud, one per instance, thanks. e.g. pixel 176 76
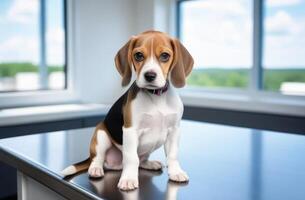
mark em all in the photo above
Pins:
pixel 26 48
pixel 224 39
pixel 282 23
pixel 276 3
pixel 219 39
pixel 284 51
pixel 284 41
pixel 20 49
pixel 23 11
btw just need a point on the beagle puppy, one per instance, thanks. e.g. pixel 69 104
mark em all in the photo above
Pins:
pixel 146 116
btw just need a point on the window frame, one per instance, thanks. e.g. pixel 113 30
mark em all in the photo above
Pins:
pixel 43 96
pixel 253 98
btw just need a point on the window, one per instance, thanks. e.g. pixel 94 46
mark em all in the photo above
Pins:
pixel 245 44
pixel 32 45
pixel 218 35
pixel 284 47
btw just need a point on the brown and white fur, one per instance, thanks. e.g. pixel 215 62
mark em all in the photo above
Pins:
pixel 150 120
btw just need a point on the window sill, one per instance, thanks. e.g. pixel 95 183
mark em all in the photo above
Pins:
pixel 36 114
pixel 247 102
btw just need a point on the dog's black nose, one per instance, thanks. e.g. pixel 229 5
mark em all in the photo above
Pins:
pixel 150 76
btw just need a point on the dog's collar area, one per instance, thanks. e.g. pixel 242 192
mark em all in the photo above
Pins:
pixel 159 91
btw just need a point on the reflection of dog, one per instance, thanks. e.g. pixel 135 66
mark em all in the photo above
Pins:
pixel 106 188
pixel 146 116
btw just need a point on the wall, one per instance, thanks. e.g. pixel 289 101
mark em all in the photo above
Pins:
pixel 100 29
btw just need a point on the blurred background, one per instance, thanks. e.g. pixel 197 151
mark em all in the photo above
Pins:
pixel 25 48
pixel 57 62
pixel 219 34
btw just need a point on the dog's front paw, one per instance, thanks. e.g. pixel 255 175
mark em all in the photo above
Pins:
pixel 180 176
pixel 96 172
pixel 151 165
pixel 128 184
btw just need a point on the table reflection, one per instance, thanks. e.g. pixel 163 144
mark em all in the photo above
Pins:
pixel 106 187
pixel 223 162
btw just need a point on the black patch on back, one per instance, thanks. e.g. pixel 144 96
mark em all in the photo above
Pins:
pixel 114 119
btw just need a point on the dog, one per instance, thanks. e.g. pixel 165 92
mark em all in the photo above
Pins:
pixel 147 116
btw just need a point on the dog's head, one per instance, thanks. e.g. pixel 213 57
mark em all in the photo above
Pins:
pixel 155 57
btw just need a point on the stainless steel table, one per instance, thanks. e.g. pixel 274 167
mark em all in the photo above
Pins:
pixel 223 162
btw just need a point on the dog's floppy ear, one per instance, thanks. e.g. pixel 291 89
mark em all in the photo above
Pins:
pixel 123 61
pixel 182 64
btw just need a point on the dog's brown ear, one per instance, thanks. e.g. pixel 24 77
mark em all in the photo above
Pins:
pixel 182 64
pixel 123 61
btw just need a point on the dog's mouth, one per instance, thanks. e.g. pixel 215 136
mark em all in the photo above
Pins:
pixel 151 86
pixel 154 87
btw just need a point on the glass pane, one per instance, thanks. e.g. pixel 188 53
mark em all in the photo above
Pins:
pixel 55 44
pixel 19 45
pixel 284 47
pixel 218 33
pixel 20 49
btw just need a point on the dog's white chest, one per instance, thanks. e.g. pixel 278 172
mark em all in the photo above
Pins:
pixel 153 129
pixel 153 116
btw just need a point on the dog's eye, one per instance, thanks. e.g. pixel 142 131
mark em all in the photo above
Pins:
pixel 138 56
pixel 164 57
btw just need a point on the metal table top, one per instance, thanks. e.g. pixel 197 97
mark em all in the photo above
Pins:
pixel 223 162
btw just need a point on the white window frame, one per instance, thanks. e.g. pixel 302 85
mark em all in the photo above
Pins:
pixel 44 97
pixel 253 99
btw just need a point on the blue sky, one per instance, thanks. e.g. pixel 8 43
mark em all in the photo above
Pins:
pixel 19 40
pixel 285 33
pixel 219 33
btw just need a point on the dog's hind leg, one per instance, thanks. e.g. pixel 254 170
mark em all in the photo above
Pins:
pixel 113 159
pixel 100 147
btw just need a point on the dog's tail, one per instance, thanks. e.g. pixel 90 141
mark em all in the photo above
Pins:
pixel 78 167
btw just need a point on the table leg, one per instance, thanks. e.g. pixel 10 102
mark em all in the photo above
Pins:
pixel 29 189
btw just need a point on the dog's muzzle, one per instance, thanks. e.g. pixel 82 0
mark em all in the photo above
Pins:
pixel 150 76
